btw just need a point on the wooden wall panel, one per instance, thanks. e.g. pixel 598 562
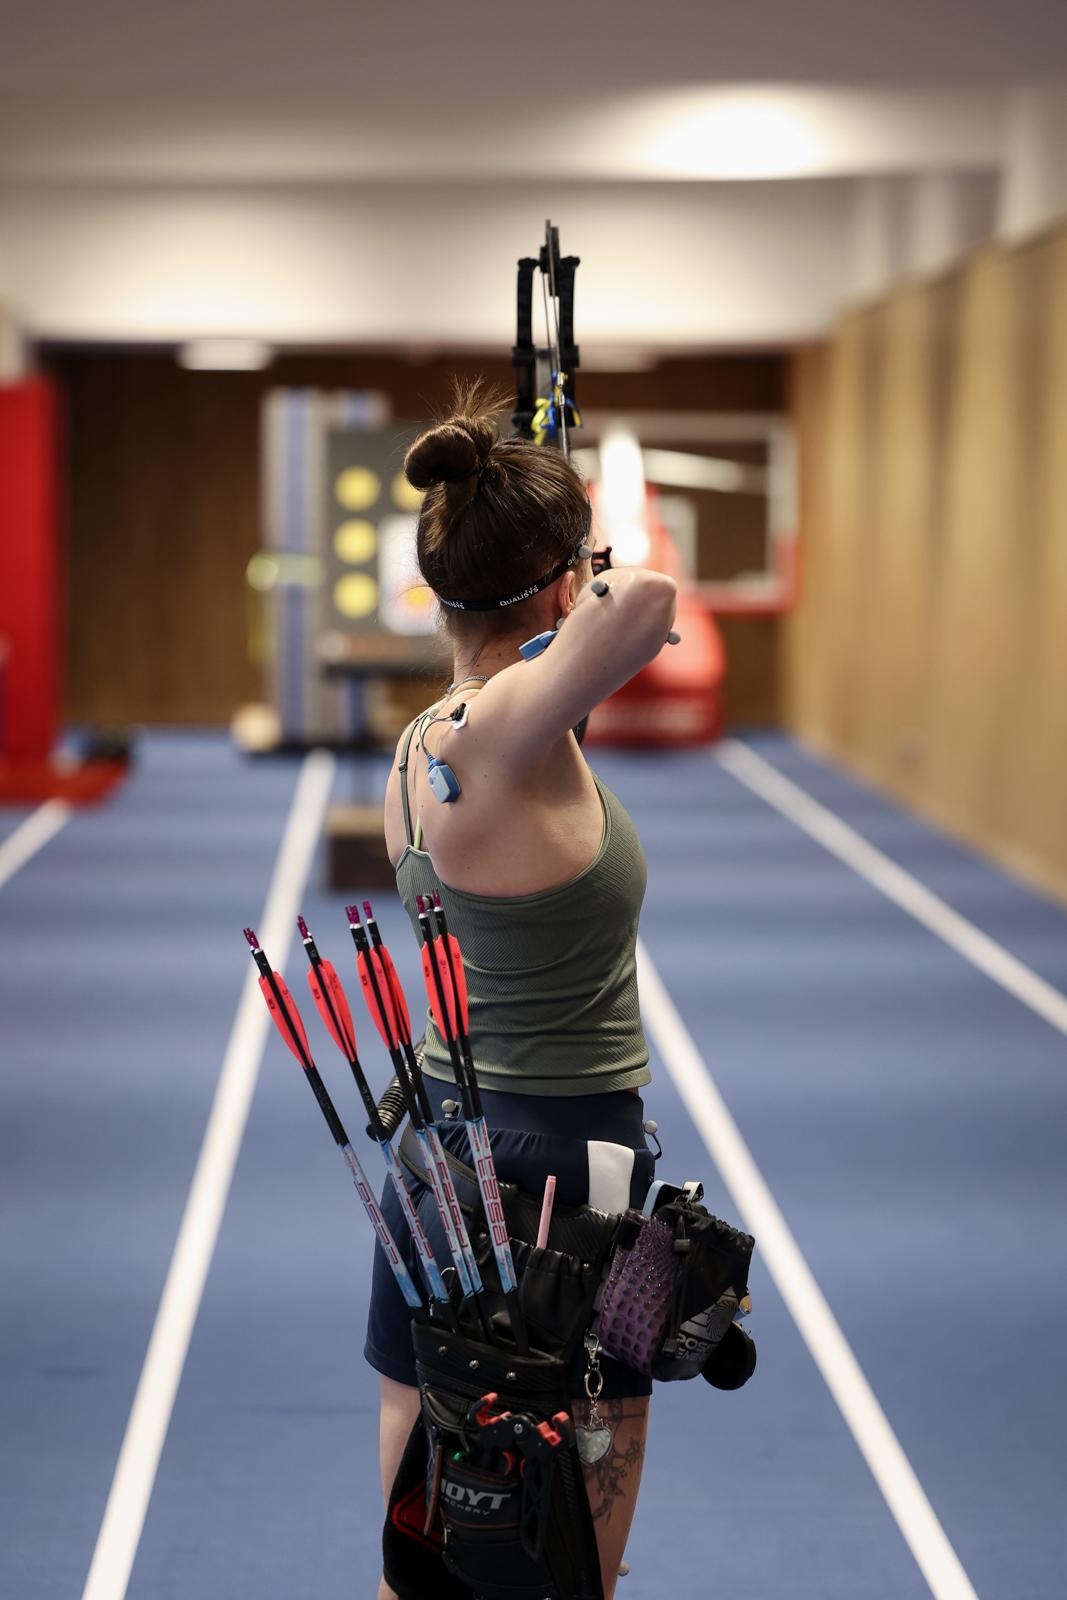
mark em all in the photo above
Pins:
pixel 802 696
pixel 975 668
pixel 163 518
pixel 904 569
pixel 929 647
pixel 163 499
pixel 1039 767
pixel 825 630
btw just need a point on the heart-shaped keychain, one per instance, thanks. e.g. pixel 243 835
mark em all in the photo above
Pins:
pixel 593 1437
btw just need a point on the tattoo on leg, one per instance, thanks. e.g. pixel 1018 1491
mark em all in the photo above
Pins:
pixel 608 1480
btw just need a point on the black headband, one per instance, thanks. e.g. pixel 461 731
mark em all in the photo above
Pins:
pixel 529 589
pixel 523 594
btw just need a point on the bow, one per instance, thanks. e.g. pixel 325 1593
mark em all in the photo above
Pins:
pixel 545 407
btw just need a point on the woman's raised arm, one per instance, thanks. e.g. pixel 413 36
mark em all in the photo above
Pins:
pixel 603 642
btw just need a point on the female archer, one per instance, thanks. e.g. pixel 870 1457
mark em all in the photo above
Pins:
pixel 491 804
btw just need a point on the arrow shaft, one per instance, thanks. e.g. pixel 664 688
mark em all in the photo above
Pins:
pixel 414 1222
pixel 433 1155
pixel 403 1277
pixel 344 1038
pixel 287 1014
pixel 474 1119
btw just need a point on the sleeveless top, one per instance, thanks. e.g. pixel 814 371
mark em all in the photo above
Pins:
pixel 551 976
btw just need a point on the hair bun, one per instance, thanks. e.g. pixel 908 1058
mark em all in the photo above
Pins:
pixel 459 445
pixel 445 454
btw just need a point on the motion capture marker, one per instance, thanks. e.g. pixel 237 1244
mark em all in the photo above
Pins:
pixel 355 595
pixel 674 637
pixel 357 488
pixel 355 541
pixel 442 781
pixel 599 588
pixel 537 645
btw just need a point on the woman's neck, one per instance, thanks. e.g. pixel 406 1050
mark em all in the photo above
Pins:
pixel 485 662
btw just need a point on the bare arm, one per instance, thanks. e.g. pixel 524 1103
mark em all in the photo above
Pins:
pixel 601 645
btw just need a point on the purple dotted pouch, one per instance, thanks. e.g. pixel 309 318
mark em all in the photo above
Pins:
pixel 636 1301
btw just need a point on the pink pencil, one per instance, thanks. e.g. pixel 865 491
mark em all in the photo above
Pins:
pixel 546 1213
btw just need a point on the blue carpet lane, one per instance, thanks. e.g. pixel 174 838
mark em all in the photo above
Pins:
pixel 906 1113
pixel 11 818
pixel 909 1117
pixel 274 1433
pixel 1026 923
pixel 268 1483
pixel 120 965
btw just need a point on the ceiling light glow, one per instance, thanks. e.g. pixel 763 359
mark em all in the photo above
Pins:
pixel 743 136
pixel 225 355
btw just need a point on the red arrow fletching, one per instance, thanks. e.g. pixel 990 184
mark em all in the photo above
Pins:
pixel 461 980
pixel 385 1024
pixel 396 993
pixel 430 957
pixel 280 1022
pixel 431 988
pixel 345 1040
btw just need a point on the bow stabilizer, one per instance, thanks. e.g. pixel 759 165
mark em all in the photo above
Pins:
pixel 545 405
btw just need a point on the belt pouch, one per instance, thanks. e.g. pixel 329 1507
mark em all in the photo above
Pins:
pixel 484 1509
pixel 636 1301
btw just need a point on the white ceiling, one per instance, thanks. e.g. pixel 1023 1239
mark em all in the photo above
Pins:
pixel 338 52
pixel 703 134
pixel 331 173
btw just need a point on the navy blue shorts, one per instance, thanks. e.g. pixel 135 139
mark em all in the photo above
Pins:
pixel 594 1144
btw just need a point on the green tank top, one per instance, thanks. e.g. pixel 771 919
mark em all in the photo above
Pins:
pixel 551 977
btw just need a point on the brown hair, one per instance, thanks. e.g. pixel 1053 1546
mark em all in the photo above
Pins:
pixel 498 514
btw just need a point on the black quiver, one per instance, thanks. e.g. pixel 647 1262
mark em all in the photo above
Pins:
pixel 510 1518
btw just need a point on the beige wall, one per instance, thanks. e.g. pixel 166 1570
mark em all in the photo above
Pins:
pixel 928 650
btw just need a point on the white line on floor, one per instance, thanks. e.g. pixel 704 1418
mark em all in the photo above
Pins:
pixel 31 835
pixel 892 881
pixel 818 1327
pixel 131 1488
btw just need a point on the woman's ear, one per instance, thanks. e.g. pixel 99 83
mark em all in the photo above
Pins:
pixel 569 586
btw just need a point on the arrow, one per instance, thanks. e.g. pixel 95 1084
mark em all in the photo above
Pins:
pixel 446 988
pixel 332 1006
pixel 388 1017
pixel 286 1018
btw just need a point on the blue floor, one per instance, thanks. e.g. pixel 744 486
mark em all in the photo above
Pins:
pixel 908 1115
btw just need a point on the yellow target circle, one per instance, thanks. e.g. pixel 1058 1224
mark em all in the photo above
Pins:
pixel 357 488
pixel 355 595
pixel 405 498
pixel 355 540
